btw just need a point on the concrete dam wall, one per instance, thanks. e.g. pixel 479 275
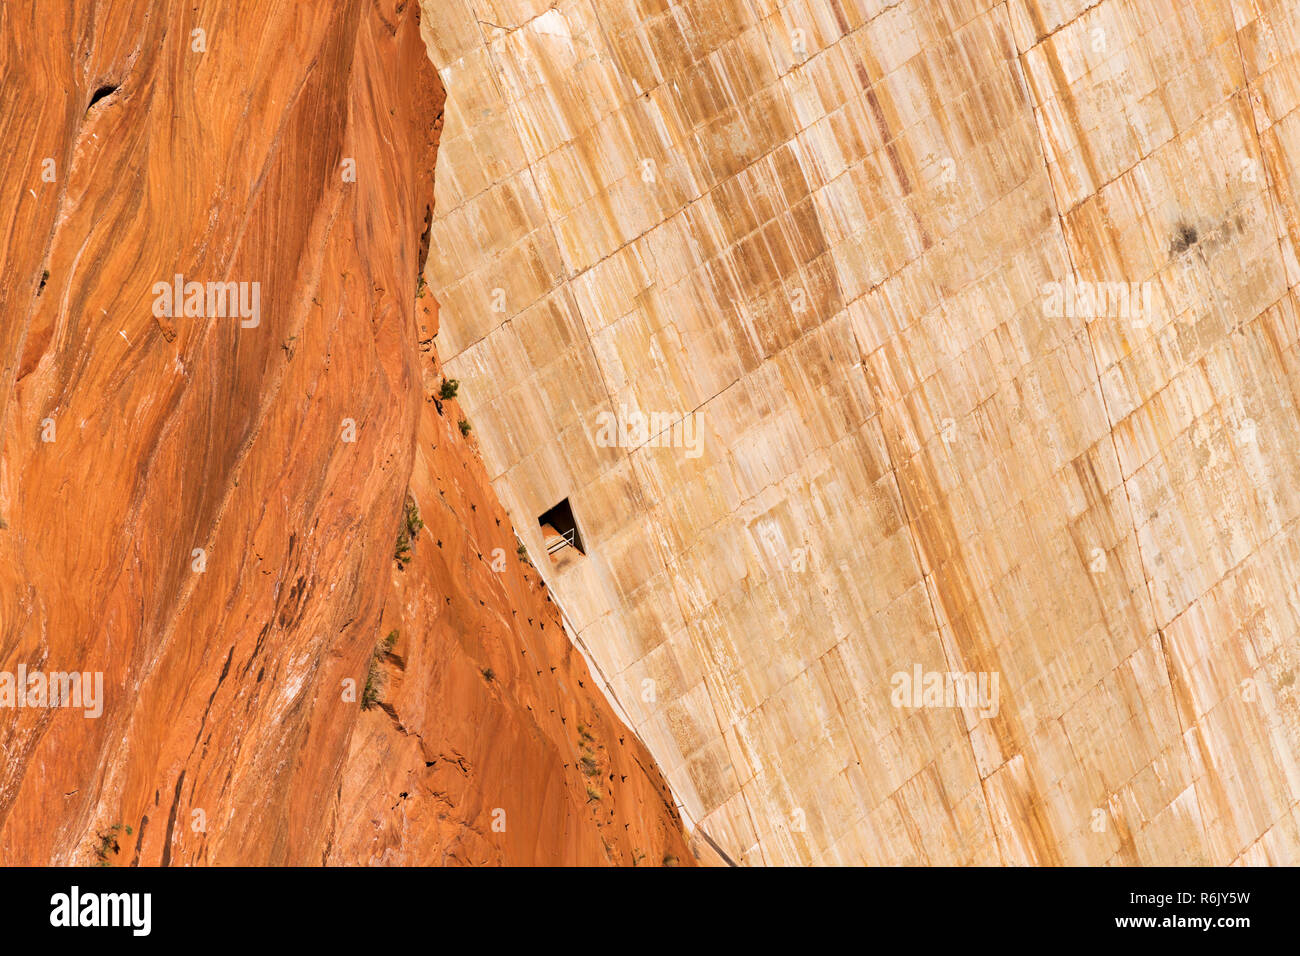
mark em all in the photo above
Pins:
pixel 922 381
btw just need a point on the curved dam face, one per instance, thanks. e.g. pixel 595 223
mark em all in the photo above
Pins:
pixel 921 379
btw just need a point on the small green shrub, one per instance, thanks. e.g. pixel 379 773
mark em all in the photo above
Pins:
pixel 370 695
pixel 464 427
pixel 413 520
pixel 374 676
pixel 108 843
pixel 450 386
pixel 411 525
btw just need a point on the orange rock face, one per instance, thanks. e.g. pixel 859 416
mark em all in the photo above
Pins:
pixel 207 508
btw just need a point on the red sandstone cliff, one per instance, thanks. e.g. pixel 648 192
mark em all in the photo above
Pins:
pixel 185 509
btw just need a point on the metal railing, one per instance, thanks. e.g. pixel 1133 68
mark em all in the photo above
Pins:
pixel 566 541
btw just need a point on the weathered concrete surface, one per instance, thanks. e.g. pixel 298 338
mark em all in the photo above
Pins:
pixel 828 230
pixel 208 513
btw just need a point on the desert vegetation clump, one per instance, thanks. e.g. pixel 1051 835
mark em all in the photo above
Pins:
pixel 411 525
pixel 108 845
pixel 374 678
pixel 370 695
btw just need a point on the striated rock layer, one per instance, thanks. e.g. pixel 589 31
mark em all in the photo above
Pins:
pixel 855 244
pixel 207 509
